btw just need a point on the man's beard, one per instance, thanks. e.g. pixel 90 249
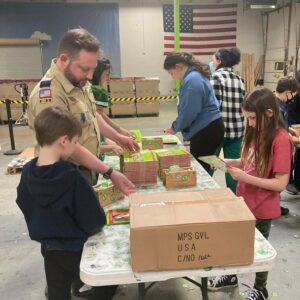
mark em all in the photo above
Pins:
pixel 72 79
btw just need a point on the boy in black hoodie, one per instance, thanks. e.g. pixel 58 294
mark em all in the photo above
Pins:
pixel 60 207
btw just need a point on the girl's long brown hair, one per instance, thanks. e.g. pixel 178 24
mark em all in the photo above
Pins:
pixel 259 101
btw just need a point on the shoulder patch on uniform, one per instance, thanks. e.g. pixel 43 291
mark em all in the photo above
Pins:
pixel 45 93
pixel 45 83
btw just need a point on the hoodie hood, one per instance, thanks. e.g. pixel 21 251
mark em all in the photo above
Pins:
pixel 50 184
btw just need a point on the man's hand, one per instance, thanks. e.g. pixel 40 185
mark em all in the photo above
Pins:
pixel 122 182
pixel 128 143
pixel 125 132
pixel 169 130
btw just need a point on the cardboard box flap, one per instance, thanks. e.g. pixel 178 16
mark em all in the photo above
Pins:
pixel 187 207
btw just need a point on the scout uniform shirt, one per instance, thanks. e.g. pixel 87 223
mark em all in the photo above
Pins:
pixel 56 90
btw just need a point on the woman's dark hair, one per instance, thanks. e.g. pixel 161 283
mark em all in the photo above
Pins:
pixel 228 57
pixel 102 65
pixel 188 59
pixel 287 83
pixel 261 101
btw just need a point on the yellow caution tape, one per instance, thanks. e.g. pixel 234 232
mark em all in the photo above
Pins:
pixel 144 98
pixel 2 101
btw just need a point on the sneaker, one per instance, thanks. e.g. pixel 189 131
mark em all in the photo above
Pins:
pixel 221 282
pixel 291 189
pixel 256 294
pixel 284 211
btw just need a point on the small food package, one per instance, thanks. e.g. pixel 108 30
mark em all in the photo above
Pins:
pixel 176 176
pixel 108 193
pixel 152 143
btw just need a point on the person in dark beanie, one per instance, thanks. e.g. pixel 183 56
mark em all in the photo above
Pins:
pixel 293 116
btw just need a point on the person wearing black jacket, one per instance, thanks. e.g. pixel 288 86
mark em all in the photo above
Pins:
pixel 293 112
pixel 59 205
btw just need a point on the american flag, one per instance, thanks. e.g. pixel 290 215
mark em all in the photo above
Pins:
pixel 204 28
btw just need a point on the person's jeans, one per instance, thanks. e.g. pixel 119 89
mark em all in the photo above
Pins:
pixel 264 227
pixel 62 268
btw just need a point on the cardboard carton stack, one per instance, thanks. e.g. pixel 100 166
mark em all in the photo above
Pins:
pixel 170 157
pixel 108 193
pixel 147 87
pixel 190 229
pixel 122 88
pixel 140 167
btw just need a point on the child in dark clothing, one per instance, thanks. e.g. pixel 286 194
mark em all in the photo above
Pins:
pixel 60 207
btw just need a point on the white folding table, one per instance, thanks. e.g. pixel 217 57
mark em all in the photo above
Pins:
pixel 106 255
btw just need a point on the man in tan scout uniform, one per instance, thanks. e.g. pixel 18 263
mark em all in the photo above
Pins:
pixel 66 85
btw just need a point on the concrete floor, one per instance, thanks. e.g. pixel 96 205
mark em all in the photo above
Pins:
pixel 21 265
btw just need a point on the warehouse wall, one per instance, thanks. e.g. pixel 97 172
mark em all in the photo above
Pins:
pixel 141 38
pixel 276 36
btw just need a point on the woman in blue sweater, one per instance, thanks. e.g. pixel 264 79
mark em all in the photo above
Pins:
pixel 199 118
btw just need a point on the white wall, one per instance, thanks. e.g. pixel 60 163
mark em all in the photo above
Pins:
pixel 277 34
pixel 141 38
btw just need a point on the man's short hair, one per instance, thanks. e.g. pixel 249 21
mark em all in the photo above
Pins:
pixel 53 123
pixel 75 40
pixel 287 83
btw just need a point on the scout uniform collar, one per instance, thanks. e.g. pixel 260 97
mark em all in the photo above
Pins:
pixel 66 84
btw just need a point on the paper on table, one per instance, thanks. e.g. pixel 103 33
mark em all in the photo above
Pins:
pixel 215 161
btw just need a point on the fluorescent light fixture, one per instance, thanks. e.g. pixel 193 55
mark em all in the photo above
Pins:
pixel 254 6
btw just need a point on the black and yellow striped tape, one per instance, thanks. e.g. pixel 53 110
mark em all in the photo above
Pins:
pixel 144 98
pixel 2 101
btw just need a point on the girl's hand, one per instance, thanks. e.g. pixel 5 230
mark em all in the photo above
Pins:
pixel 237 174
pixel 293 132
pixel 294 139
pixel 169 130
pixel 117 149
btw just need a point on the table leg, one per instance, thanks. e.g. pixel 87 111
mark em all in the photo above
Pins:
pixel 142 290
pixel 204 288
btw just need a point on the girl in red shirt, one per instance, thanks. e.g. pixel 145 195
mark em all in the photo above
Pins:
pixel 262 173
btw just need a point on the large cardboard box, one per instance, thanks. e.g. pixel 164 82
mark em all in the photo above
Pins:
pixel 122 87
pixel 147 87
pixel 190 230
pixel 123 108
pixel 147 107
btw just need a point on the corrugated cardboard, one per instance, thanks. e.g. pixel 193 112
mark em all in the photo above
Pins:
pixel 147 87
pixel 122 87
pixel 147 107
pixel 180 177
pixel 123 108
pixel 139 167
pixel 108 193
pixel 190 229
pixel 152 143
